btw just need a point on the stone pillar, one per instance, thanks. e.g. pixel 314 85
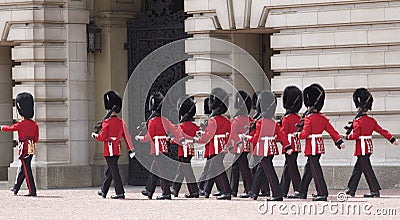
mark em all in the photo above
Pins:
pixel 6 103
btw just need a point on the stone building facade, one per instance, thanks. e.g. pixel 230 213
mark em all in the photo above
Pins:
pixel 341 44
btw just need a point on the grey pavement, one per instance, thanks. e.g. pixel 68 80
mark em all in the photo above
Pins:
pixel 86 204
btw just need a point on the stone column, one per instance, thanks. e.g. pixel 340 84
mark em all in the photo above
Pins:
pixel 6 103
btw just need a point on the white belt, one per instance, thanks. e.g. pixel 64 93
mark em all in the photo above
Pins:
pixel 244 139
pixel 110 146
pixel 266 144
pixel 185 147
pixel 216 139
pixel 313 142
pixel 290 136
pixel 363 147
pixel 157 143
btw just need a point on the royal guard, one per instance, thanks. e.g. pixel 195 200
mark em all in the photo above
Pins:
pixel 363 127
pixel 241 148
pixel 292 102
pixel 112 130
pixel 315 123
pixel 157 130
pixel 268 131
pixel 28 135
pixel 187 111
pixel 215 135
pixel 264 187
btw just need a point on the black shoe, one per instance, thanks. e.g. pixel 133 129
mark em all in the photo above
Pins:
pixel 297 195
pixel 192 195
pixel 234 194
pixel 372 195
pixel 174 192
pixel 202 192
pixel 264 194
pixel 275 199
pixel 100 193
pixel 253 196
pixel 245 195
pixel 164 197
pixel 320 198
pixel 219 193
pixel 350 193
pixel 31 194
pixel 147 193
pixel 118 196
pixel 226 196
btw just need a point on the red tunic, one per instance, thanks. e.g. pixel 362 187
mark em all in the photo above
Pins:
pixel 240 126
pixel 264 140
pixel 216 133
pixel 188 130
pixel 157 134
pixel 362 133
pixel 289 127
pixel 28 135
pixel 314 125
pixel 112 130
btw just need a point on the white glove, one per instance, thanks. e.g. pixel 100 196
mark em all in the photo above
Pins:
pixel 139 138
pixel 396 142
pixel 132 154
pixel 94 135
pixel 342 146
pixel 289 152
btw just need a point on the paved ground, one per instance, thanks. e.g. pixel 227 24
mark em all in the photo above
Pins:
pixel 85 204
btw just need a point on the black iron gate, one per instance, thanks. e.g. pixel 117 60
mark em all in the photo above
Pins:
pixel 161 23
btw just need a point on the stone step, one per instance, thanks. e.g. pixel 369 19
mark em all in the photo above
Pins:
pixel 4 185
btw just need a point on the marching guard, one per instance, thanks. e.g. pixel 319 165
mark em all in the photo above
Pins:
pixel 157 130
pixel 187 111
pixel 363 127
pixel 241 148
pixel 314 124
pixel 215 135
pixel 292 102
pixel 267 133
pixel 112 130
pixel 28 135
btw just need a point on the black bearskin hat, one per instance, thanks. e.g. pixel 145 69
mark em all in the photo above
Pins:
pixel 292 99
pixel 112 101
pixel 206 106
pixel 254 99
pixel 155 101
pixel 363 98
pixel 243 103
pixel 266 104
pixel 24 104
pixel 219 101
pixel 186 107
pixel 311 95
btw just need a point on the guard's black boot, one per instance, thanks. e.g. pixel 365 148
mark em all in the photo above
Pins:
pixel 147 193
pixel 225 196
pixel 245 195
pixel 350 193
pixel 372 195
pixel 254 196
pixel 118 196
pixel 219 193
pixel 164 197
pixel 297 195
pixel 264 194
pixel 174 192
pixel 100 193
pixel 272 199
pixel 320 198
pixel 192 195
pixel 31 194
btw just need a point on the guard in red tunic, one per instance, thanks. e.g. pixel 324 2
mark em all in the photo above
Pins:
pixel 215 135
pixel 241 148
pixel 267 133
pixel 187 111
pixel 28 135
pixel 157 130
pixel 363 127
pixel 113 129
pixel 292 102
pixel 314 124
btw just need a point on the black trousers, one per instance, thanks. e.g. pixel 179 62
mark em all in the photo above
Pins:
pixel 290 174
pixel 216 174
pixel 155 173
pixel 112 174
pixel 263 181
pixel 266 166
pixel 203 176
pixel 313 170
pixel 25 172
pixel 185 170
pixel 241 165
pixel 363 165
